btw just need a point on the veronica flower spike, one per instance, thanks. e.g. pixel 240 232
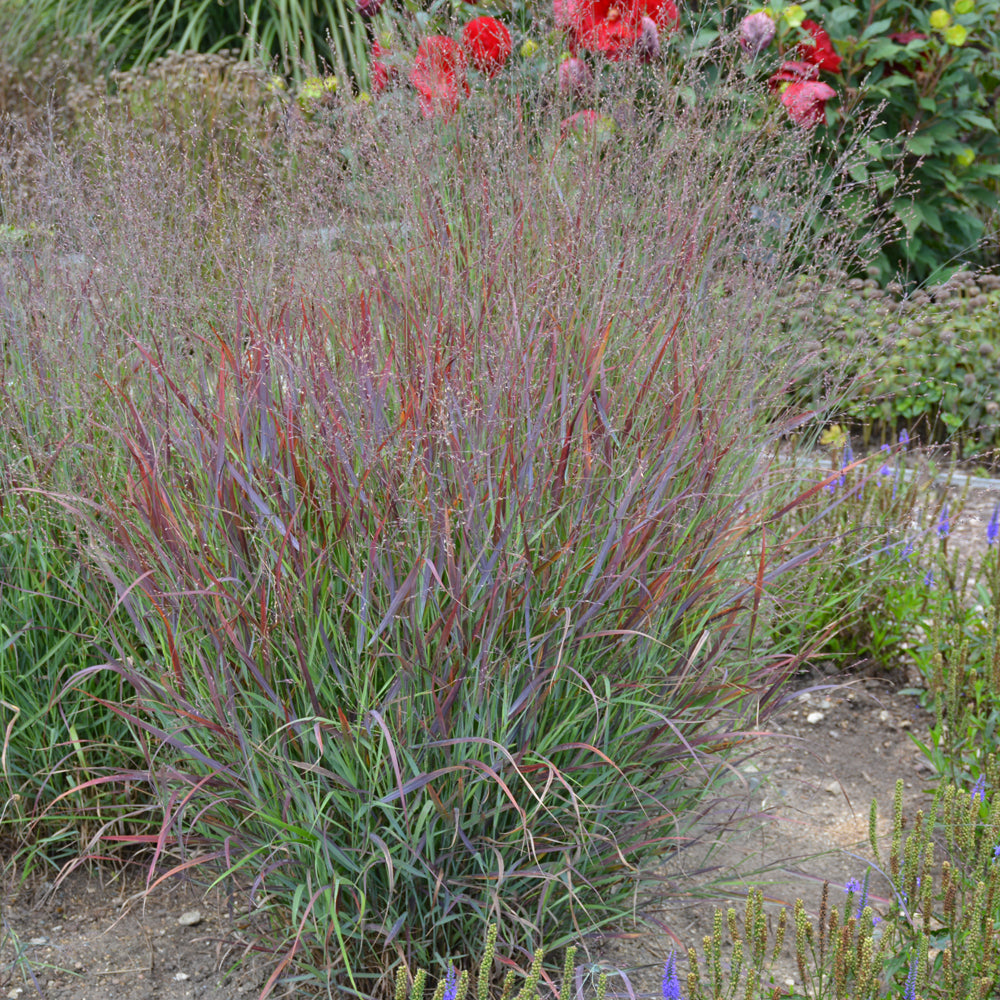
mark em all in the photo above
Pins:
pixel 450 985
pixel 910 989
pixel 993 528
pixel 979 789
pixel 671 981
pixel 943 525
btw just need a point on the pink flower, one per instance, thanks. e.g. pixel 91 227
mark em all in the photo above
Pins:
pixel 648 47
pixel 438 75
pixel 819 50
pixel 806 102
pixel 575 78
pixel 756 33
pixel 487 43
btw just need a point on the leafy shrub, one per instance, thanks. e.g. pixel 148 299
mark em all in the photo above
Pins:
pixel 922 75
pixel 929 362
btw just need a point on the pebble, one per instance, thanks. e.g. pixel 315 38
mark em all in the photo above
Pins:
pixel 38 940
pixel 189 918
pixel 180 977
pixel 813 717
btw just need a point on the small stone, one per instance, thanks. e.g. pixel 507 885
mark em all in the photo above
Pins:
pixel 905 723
pixel 814 717
pixel 180 977
pixel 834 735
pixel 189 918
pixel 883 716
pixel 825 704
pixel 832 788
pixel 15 993
pixel 38 940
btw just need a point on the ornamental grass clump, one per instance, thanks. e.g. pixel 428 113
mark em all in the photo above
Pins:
pixel 433 494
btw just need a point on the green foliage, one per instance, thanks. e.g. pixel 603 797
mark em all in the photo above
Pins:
pixel 54 751
pixel 299 35
pixel 857 513
pixel 928 364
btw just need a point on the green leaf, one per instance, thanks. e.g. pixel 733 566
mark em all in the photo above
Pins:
pixel 877 28
pixel 920 145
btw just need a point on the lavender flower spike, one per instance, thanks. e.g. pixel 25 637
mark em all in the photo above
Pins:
pixel 943 525
pixel 979 790
pixel 852 885
pixel 671 982
pixel 904 438
pixel 910 990
pixel 450 985
pixel 993 528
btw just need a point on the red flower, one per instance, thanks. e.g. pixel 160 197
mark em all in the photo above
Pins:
pixel 438 74
pixel 792 72
pixel 378 72
pixel 614 27
pixel 487 43
pixel 806 102
pixel 819 51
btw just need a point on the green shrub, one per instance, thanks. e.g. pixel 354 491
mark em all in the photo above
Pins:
pixel 928 363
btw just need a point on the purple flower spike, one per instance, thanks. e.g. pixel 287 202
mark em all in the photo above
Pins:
pixel 450 985
pixel 852 885
pixel 907 552
pixel 979 789
pixel 943 525
pixel 996 852
pixel 929 578
pixel 671 981
pixel 910 990
pixel 904 438
pixel 993 528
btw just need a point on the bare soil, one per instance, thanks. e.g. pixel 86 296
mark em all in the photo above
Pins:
pixel 97 937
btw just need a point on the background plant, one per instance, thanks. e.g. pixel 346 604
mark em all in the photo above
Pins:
pixel 929 70
pixel 927 361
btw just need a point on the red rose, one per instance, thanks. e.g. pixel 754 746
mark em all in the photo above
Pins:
pixel 487 43
pixel 819 51
pixel 806 101
pixel 615 28
pixel 438 75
